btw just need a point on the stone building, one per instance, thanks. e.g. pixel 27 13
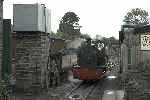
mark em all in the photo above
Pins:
pixel 132 53
pixel 135 58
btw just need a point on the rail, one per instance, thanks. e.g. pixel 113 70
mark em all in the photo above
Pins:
pixel 81 91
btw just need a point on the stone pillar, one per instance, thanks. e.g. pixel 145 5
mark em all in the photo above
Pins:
pixel 1 34
pixel 31 60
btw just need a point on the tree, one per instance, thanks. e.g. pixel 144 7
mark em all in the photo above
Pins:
pixel 98 37
pixel 69 24
pixel 137 16
pixel 106 41
pixel 60 34
pixel 85 36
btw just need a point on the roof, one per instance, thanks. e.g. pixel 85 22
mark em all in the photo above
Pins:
pixel 56 38
pixel 129 26
pixel 142 29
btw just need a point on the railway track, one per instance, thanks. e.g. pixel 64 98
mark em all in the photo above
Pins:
pixel 97 92
pixel 81 91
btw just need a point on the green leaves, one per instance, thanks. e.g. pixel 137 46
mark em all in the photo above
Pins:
pixel 70 18
pixel 69 25
pixel 137 16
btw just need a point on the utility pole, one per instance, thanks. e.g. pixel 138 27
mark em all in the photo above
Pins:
pixel 1 35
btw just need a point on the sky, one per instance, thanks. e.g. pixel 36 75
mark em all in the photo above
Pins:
pixel 102 17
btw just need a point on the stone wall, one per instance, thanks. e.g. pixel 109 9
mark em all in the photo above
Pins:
pixel 31 60
pixel 136 85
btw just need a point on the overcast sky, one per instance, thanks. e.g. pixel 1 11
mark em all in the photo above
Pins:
pixel 103 17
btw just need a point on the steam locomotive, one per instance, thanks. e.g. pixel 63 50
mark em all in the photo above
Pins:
pixel 91 61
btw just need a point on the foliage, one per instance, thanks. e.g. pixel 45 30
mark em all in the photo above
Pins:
pixel 105 41
pixel 137 16
pixel 56 35
pixel 98 37
pixel 69 25
pixel 85 36
pixel 60 34
pixel 108 41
